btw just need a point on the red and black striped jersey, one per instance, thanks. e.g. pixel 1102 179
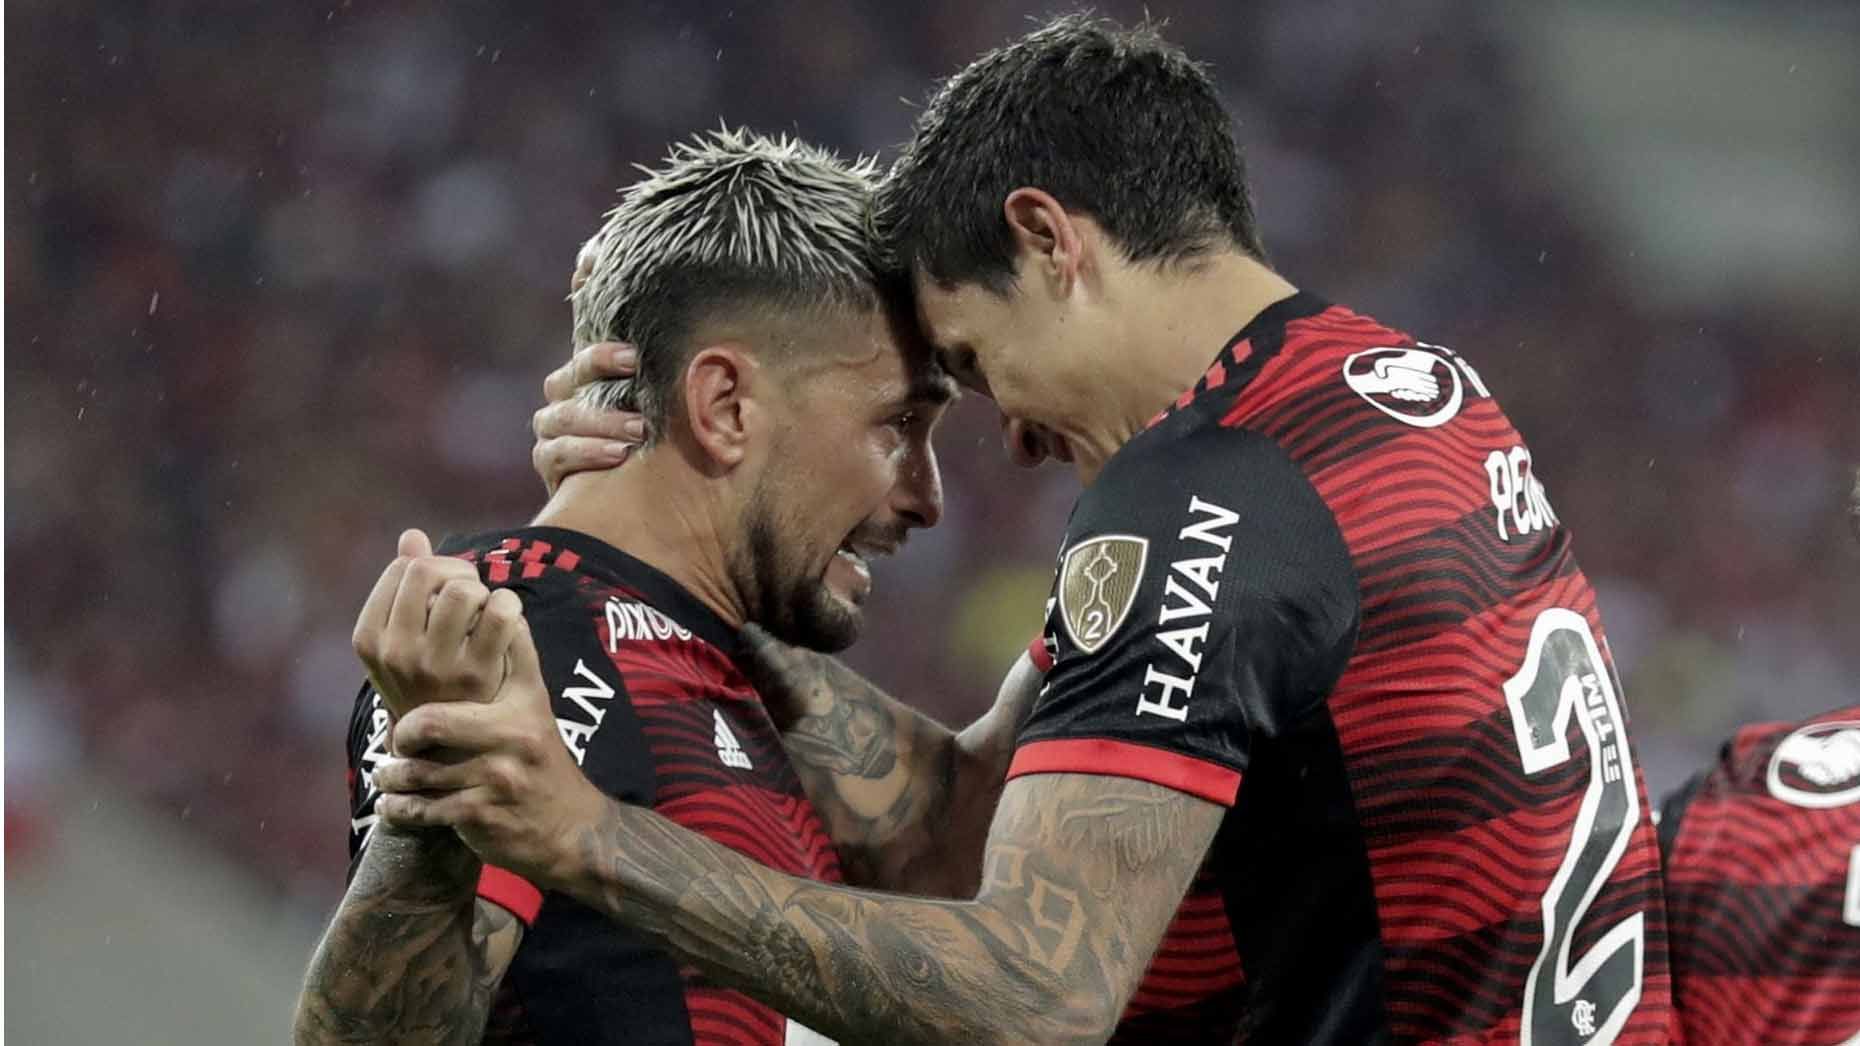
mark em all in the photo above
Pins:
pixel 1326 589
pixel 1763 888
pixel 650 702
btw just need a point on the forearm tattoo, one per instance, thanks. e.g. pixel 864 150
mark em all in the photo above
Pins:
pixel 906 801
pixel 411 955
pixel 1077 892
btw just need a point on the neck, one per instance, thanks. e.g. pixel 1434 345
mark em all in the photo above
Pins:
pixel 654 509
pixel 1169 326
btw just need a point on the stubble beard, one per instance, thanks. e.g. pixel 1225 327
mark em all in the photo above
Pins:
pixel 780 594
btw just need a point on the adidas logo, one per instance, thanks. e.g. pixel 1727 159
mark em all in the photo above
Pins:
pixel 728 749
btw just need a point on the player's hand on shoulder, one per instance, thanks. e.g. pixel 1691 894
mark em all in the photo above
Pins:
pixel 572 436
pixel 496 773
pixel 432 631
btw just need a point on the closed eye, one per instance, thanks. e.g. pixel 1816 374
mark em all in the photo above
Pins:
pixel 960 362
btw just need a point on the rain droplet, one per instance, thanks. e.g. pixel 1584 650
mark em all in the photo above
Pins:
pixel 154 302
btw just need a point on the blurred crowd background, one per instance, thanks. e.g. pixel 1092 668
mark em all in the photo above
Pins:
pixel 282 279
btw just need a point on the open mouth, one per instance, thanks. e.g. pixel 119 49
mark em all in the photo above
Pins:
pixel 853 559
pixel 859 552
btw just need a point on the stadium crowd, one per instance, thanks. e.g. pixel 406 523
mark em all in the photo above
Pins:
pixel 253 333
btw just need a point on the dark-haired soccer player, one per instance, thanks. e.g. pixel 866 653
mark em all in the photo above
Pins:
pixel 1763 884
pixel 791 406
pixel 1331 750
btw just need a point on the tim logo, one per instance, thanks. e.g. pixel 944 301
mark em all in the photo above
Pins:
pixel 1421 386
pixel 1818 766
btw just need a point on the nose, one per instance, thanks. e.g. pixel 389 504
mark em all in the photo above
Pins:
pixel 919 492
pixel 1023 442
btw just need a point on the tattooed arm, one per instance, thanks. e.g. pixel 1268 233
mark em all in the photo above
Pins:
pixel 412 955
pixel 1083 874
pixel 906 800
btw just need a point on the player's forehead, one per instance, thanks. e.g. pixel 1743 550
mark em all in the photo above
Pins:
pixel 951 318
pixel 887 354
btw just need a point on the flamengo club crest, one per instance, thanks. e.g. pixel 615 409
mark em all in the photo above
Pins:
pixel 1422 386
pixel 1818 766
pixel 1098 582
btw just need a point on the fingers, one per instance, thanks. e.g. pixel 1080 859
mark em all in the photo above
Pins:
pixel 419 586
pixel 590 364
pixel 455 610
pixel 559 458
pixel 414 544
pixel 464 728
pixel 574 437
pixel 405 774
pixel 525 678
pixel 574 418
pixel 442 811
pixel 373 620
pixel 498 624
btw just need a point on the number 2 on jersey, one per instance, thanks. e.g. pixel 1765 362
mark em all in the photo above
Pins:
pixel 1584 1002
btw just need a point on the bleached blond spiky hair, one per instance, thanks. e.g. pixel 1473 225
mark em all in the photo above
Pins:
pixel 730 220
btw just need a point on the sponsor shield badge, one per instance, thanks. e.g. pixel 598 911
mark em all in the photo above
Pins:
pixel 1098 582
pixel 1818 766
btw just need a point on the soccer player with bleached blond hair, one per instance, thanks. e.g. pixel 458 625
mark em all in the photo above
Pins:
pixel 791 407
pixel 1330 747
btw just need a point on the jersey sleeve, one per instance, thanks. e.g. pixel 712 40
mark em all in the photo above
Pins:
pixel 1205 599
pixel 592 713
pixel 1040 654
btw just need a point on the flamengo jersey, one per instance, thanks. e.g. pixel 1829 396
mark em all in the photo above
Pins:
pixel 1327 590
pixel 651 705
pixel 1763 885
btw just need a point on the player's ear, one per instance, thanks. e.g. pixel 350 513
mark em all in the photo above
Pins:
pixel 719 399
pixel 1044 235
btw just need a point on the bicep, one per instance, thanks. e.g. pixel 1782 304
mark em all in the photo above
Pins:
pixel 1095 867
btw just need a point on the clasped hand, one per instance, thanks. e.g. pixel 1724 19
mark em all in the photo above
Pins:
pixel 475 743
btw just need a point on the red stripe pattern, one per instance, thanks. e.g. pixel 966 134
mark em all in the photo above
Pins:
pixel 1759 888
pixel 1462 843
pixel 1195 983
pixel 681 688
